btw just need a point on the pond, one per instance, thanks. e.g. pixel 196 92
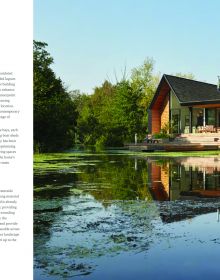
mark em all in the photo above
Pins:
pixel 118 215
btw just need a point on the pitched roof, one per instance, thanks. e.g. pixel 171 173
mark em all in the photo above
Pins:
pixel 192 92
pixel 189 92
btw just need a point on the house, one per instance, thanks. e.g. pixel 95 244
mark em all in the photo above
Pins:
pixel 189 106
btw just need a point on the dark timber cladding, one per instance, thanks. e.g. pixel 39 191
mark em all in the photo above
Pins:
pixel 189 93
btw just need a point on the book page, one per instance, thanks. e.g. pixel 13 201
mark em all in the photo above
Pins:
pixel 16 134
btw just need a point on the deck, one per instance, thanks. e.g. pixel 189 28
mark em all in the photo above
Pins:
pixel 183 142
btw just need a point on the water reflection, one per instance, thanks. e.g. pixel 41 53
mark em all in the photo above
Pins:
pixel 184 178
pixel 89 208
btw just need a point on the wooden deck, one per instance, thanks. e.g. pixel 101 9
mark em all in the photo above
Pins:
pixel 184 142
pixel 171 147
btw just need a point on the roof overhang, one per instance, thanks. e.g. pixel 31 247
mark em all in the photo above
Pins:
pixel 160 93
pixel 192 103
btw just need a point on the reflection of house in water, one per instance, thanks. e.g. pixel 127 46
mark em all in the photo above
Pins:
pixel 192 176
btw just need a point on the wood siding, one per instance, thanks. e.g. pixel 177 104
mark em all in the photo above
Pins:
pixel 155 120
pixel 165 112
pixel 160 106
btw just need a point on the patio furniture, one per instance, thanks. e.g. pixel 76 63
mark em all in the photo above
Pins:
pixel 148 138
pixel 200 129
pixel 207 128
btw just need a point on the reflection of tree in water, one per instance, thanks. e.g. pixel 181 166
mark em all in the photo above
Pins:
pixel 120 224
pixel 117 179
pixel 106 177
pixel 98 206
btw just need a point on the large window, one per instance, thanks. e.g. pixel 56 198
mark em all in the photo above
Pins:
pixel 175 117
pixel 210 116
pixel 197 117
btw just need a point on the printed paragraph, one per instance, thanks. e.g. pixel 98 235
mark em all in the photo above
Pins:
pixel 9 227
pixel 8 141
pixel 7 95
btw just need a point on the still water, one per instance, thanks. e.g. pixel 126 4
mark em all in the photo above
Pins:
pixel 122 216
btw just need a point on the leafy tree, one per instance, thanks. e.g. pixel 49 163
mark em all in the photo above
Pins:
pixel 144 80
pixel 94 124
pixel 54 112
pixel 127 111
pixel 115 112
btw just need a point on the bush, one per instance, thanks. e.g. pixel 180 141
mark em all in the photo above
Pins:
pixel 161 135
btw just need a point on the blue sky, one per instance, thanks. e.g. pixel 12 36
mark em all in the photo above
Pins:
pixel 91 40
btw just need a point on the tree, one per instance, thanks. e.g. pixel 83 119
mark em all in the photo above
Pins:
pixel 54 112
pixel 115 112
pixel 94 124
pixel 127 111
pixel 144 80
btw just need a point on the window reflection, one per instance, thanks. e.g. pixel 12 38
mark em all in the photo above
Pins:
pixel 186 178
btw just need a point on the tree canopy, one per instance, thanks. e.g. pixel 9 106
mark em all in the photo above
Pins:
pixel 54 111
pixel 115 112
pixel 110 116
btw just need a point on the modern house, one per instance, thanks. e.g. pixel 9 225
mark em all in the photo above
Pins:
pixel 189 106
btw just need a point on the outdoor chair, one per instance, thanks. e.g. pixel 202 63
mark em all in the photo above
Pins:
pixel 148 138
pixel 200 129
pixel 209 128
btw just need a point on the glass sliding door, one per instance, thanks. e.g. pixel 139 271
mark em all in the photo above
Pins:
pixel 175 120
pixel 197 119
pixel 210 117
pixel 218 117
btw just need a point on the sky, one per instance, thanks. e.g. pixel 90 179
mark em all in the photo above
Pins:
pixel 94 40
